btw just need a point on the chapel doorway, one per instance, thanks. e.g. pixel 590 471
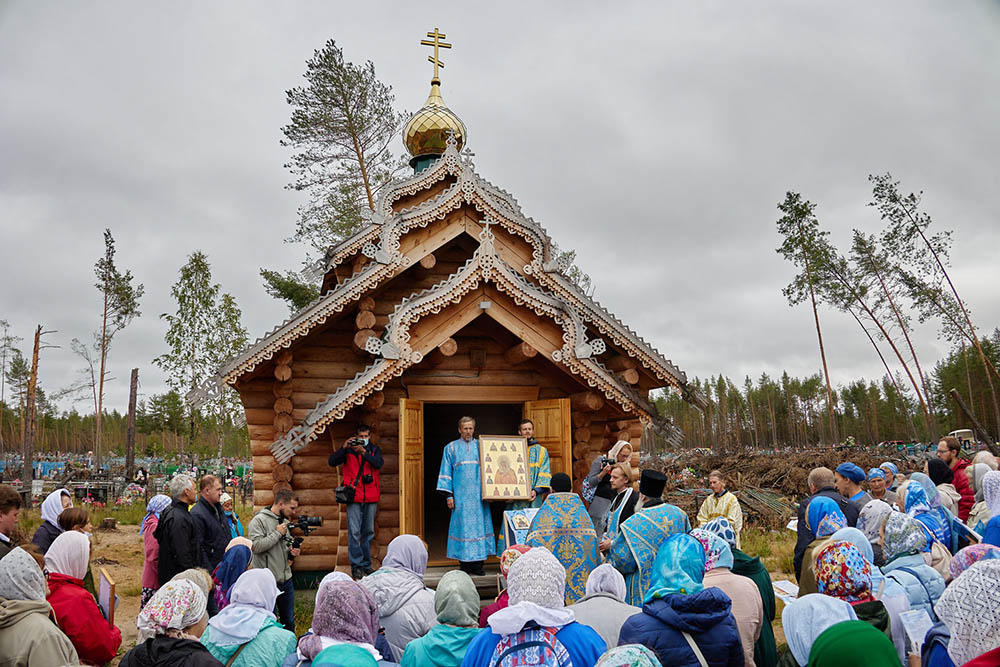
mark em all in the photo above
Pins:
pixel 440 428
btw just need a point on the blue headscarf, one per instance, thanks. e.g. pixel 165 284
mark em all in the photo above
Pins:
pixel 720 526
pixel 678 568
pixel 917 506
pixel 876 472
pixel 934 501
pixel 233 564
pixel 824 516
pixel 156 504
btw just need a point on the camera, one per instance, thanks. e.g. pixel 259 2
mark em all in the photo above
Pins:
pixel 367 479
pixel 607 461
pixel 356 442
pixel 306 524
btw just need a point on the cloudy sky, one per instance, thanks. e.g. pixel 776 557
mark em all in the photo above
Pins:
pixel 655 138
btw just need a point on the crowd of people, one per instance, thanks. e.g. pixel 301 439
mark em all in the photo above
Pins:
pixel 630 583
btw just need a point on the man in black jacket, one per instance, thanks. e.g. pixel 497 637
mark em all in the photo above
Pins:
pixel 211 521
pixel 177 533
pixel 821 483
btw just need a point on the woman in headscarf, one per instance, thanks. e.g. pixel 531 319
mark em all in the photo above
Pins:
pixel 970 607
pixel 852 643
pixel 170 626
pixel 232 519
pixel 537 613
pixel 904 542
pixel 76 611
pixel 603 607
pixel 765 649
pixel 678 606
pixel 151 546
pixel 991 494
pixel 844 573
pixel 28 636
pixel 247 625
pixel 629 655
pixel 920 499
pixel 805 619
pixel 345 613
pixel 380 643
pixel 887 591
pixel 877 486
pixel 199 577
pixel 405 605
pixel 824 518
pixel 747 607
pixel 507 558
pixel 942 476
pixel 52 507
pixel 456 602
pixel 234 563
pixel 979 514
pixel 870 521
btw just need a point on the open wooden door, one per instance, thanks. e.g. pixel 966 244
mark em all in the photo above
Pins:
pixel 553 429
pixel 411 466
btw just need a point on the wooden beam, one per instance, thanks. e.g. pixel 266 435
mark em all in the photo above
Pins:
pixel 360 339
pixel 432 393
pixel 446 349
pixel 587 401
pixel 367 303
pixel 519 354
pixel 428 262
pixel 365 319
pixel 620 363
pixel 628 376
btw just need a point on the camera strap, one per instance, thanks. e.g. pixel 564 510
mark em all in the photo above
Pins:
pixel 361 469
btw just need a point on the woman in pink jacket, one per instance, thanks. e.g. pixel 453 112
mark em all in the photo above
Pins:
pixel 156 504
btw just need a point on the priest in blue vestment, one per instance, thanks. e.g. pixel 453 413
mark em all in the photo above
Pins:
pixel 639 538
pixel 470 532
pixel 563 526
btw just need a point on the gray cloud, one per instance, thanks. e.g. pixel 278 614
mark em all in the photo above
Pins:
pixel 655 139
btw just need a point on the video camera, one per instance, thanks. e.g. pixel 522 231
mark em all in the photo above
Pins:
pixel 306 524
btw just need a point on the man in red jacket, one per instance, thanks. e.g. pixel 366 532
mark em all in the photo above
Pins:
pixel 362 460
pixel 949 450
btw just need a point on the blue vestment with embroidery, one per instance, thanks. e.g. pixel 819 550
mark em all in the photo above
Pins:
pixel 563 526
pixel 470 532
pixel 639 538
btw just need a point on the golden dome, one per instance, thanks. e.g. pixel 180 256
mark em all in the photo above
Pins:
pixel 427 130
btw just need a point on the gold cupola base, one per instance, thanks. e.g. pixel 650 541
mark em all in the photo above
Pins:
pixel 426 132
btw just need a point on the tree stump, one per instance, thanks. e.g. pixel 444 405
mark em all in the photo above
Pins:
pixel 108 524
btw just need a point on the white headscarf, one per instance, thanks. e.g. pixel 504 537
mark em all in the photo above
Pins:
pixel 620 445
pixel 606 579
pixel 970 607
pixel 251 600
pixel 806 618
pixel 406 552
pixel 69 555
pixel 178 605
pixel 20 577
pixel 52 506
pixel 991 492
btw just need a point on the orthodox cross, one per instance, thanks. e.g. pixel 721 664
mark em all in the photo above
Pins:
pixel 437 44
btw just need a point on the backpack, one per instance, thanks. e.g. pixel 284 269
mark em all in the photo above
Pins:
pixel 531 646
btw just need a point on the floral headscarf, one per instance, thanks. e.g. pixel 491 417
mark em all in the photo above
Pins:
pixel 720 526
pixel 991 492
pixel 824 516
pixel 678 568
pixel 858 539
pixel 629 655
pixel 197 576
pixel 970 607
pixel 871 518
pixel 717 552
pixel 156 504
pixel 345 611
pixel 178 605
pixel 903 535
pixel 511 554
pixel 20 577
pixel 842 572
pixel 973 553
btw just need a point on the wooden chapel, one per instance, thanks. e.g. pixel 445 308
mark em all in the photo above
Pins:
pixel 449 301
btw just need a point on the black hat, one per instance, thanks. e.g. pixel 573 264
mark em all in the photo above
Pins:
pixel 561 483
pixel 652 483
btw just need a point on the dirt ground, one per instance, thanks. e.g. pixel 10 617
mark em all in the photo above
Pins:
pixel 120 553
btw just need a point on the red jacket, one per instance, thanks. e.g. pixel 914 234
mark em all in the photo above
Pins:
pixel 364 492
pixel 988 659
pixel 961 483
pixel 77 614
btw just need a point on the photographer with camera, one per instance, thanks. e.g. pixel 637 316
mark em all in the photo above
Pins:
pixel 599 482
pixel 359 490
pixel 273 548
